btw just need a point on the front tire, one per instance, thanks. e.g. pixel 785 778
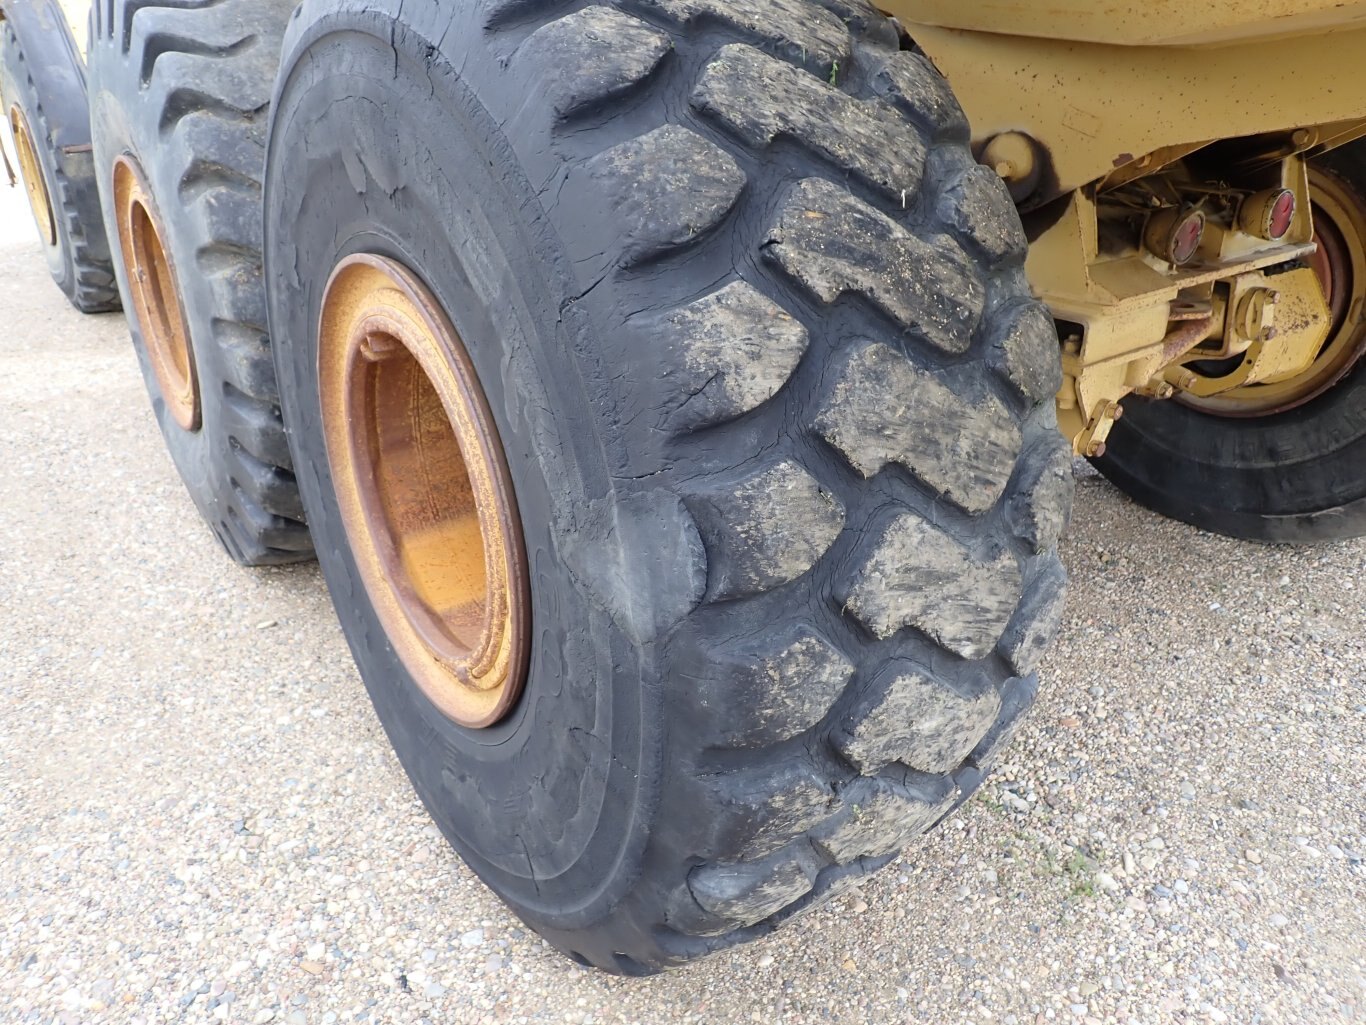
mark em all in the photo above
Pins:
pixel 776 407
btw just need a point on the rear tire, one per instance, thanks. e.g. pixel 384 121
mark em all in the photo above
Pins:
pixel 42 86
pixel 179 97
pixel 1297 475
pixel 781 436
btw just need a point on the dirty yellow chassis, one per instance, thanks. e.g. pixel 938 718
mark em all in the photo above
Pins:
pixel 1072 100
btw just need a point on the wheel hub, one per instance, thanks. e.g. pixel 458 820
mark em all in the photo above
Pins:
pixel 1339 263
pixel 34 183
pixel 423 489
pixel 154 294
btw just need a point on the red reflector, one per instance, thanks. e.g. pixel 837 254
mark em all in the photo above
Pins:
pixel 1268 214
pixel 1282 213
pixel 1174 234
pixel 1185 237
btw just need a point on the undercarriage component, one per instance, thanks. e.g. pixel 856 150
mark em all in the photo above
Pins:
pixel 1166 201
pixel 1276 323
pixel 1279 372
pixel 1153 280
pixel 1266 438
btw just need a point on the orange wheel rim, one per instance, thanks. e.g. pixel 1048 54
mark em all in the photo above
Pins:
pixel 154 294
pixel 423 489
pixel 35 185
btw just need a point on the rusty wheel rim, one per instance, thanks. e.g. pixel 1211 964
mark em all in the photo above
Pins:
pixel 423 489
pixel 32 173
pixel 1340 265
pixel 154 294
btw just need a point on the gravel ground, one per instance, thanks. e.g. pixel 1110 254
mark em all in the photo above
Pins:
pixel 200 819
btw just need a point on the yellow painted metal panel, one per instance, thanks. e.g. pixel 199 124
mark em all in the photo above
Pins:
pixel 1095 108
pixel 1152 22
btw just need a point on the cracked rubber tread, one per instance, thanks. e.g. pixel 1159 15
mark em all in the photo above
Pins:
pixel 185 86
pixel 791 824
pixel 835 578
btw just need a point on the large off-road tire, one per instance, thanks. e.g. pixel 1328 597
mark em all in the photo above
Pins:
pixel 43 95
pixel 1282 464
pixel 179 96
pixel 777 409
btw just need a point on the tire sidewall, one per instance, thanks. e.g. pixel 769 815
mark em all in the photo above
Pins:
pixel 115 133
pixel 579 754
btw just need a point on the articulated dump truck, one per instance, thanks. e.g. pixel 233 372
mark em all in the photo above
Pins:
pixel 681 396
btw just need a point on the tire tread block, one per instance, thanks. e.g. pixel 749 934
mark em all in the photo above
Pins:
pixel 977 206
pixel 1041 504
pixel 1037 619
pixel 883 409
pixel 833 243
pixel 767 689
pixel 800 33
pixel 667 188
pixel 592 56
pixel 723 355
pixel 910 81
pixel 744 894
pixel 1025 348
pixel 874 143
pixel 917 721
pixel 879 817
pixel 915 575
pixel 767 530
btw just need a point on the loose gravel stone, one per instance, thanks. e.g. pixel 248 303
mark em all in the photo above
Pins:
pixel 192 807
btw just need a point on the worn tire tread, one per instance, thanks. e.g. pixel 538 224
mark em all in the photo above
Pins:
pixel 798 812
